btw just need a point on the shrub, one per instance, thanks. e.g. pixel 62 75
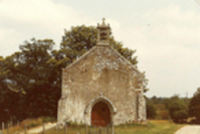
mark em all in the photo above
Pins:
pixel 178 111
pixel 48 119
pixel 151 112
pixel 194 106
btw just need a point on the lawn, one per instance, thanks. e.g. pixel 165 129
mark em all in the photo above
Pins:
pixel 152 127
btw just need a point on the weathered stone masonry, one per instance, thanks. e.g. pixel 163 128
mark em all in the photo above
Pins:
pixel 102 74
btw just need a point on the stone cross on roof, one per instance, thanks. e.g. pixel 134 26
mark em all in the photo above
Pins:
pixel 104 21
pixel 103 33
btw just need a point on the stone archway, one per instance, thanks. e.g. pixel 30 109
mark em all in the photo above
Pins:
pixel 100 115
pixel 106 104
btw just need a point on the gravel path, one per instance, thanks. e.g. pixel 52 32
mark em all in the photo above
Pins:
pixel 190 129
pixel 40 129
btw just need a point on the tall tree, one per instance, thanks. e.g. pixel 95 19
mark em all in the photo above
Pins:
pixel 32 76
pixel 151 111
pixel 80 39
pixel 9 99
pixel 177 109
pixel 194 106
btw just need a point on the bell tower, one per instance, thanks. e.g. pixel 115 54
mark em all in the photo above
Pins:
pixel 103 33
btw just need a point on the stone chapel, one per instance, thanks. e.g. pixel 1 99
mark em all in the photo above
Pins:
pixel 102 87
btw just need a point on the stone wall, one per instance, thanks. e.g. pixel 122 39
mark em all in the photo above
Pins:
pixel 101 72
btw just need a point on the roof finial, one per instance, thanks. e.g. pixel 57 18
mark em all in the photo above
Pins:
pixel 103 33
pixel 103 21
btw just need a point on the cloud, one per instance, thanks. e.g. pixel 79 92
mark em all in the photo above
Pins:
pixel 23 20
pixel 168 49
pixel 37 11
pixel 166 37
pixel 198 2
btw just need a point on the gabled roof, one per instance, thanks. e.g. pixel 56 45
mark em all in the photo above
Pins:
pixel 112 49
pixel 103 33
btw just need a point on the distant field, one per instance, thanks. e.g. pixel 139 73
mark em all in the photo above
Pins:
pixel 152 127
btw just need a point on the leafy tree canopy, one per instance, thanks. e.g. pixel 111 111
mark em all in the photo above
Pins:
pixel 151 111
pixel 194 106
pixel 177 109
pixel 31 78
pixel 80 39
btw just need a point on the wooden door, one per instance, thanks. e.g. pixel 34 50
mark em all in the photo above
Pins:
pixel 100 115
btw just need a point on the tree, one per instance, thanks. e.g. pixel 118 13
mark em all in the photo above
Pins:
pixel 32 76
pixel 151 111
pixel 194 106
pixel 3 90
pixel 177 109
pixel 159 106
pixel 80 39
pixel 9 99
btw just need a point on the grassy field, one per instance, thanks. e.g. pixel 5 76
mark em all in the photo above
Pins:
pixel 152 127
pixel 29 123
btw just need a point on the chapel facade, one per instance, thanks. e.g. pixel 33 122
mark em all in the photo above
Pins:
pixel 102 87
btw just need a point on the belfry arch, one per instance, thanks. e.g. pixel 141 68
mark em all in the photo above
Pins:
pixel 103 102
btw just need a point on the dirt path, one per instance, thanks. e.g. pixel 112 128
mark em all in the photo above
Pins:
pixel 190 129
pixel 40 129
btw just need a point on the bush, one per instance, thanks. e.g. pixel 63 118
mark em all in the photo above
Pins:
pixel 164 114
pixel 194 106
pixel 180 116
pixel 48 119
pixel 151 112
pixel 178 111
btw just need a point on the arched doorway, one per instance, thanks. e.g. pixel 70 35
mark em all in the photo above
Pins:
pixel 100 115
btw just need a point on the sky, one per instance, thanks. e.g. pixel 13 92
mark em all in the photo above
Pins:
pixel 164 33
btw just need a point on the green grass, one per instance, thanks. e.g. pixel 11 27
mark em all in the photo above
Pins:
pixel 29 123
pixel 152 127
pixel 74 129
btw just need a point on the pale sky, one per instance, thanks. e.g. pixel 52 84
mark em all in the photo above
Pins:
pixel 165 33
